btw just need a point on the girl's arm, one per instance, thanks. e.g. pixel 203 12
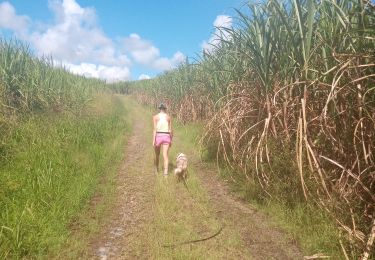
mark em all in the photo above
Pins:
pixel 170 128
pixel 154 130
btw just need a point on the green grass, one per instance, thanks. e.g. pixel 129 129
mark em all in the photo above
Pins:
pixel 179 215
pixel 294 71
pixel 314 231
pixel 55 163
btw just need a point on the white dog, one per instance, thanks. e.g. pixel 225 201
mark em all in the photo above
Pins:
pixel 181 167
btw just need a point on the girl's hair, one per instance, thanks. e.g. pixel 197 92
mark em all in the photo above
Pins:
pixel 162 106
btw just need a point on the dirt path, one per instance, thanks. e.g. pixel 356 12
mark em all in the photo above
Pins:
pixel 262 240
pixel 131 226
pixel 132 206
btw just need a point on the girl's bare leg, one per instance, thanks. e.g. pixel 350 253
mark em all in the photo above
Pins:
pixel 156 158
pixel 165 157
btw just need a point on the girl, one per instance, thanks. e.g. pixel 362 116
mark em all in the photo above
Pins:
pixel 162 137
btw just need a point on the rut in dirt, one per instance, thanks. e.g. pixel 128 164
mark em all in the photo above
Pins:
pixel 132 212
pixel 262 240
pixel 133 199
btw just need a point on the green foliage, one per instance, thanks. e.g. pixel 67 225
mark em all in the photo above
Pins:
pixel 300 72
pixel 31 84
pixel 54 144
pixel 53 171
pixel 34 85
pixel 311 227
pixel 119 87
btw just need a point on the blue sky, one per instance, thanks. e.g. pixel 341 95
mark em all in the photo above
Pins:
pixel 117 40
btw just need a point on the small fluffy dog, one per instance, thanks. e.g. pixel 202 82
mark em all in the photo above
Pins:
pixel 181 167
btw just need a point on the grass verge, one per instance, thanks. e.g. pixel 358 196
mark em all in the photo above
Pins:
pixel 314 231
pixel 55 164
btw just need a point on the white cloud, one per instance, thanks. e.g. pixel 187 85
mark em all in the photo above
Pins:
pixel 10 20
pixel 224 21
pixel 111 74
pixel 221 22
pixel 145 53
pixel 167 64
pixel 75 39
pixel 144 76
pixel 146 56
pixel 141 50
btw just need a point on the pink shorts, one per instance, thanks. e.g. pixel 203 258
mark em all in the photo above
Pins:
pixel 162 138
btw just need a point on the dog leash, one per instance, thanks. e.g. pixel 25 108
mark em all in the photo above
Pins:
pixel 194 241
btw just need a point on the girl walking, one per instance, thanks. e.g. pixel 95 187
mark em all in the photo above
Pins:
pixel 162 137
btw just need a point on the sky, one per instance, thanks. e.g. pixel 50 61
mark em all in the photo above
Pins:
pixel 117 40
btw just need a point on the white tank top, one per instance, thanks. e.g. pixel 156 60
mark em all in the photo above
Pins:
pixel 162 125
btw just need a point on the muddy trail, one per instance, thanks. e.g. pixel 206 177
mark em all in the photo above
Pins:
pixel 137 222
